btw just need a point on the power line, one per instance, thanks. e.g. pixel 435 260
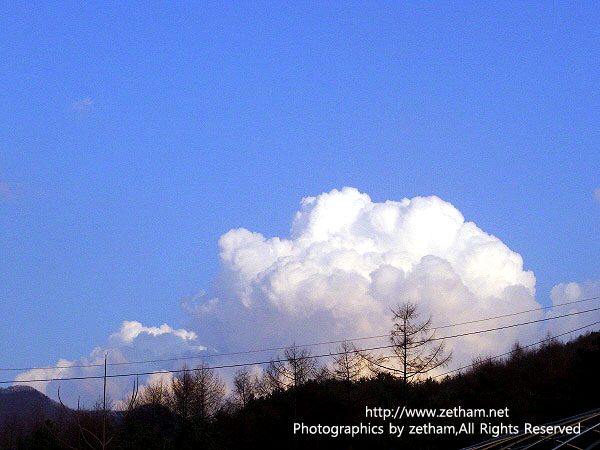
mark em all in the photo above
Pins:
pixel 520 348
pixel 517 313
pixel 508 326
pixel 338 341
pixel 225 366
pixel 185 358
pixel 314 356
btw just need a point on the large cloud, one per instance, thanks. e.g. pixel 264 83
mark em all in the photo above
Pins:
pixel 349 260
pixel 346 264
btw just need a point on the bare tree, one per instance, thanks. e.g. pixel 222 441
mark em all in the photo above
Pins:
pixel 262 385
pixel 295 368
pixel 244 388
pixel 322 374
pixel 156 397
pixel 208 392
pixel 197 392
pixel 182 390
pixel 155 394
pixel 348 364
pixel 413 344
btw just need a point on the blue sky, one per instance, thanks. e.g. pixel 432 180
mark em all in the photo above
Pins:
pixel 132 136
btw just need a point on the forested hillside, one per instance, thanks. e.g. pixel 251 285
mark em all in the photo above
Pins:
pixel 535 386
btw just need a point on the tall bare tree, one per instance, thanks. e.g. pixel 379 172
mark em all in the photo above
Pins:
pixel 296 367
pixel 155 394
pixel 197 392
pixel 244 388
pixel 208 392
pixel 262 384
pixel 413 343
pixel 348 364
pixel 182 393
pixel 157 397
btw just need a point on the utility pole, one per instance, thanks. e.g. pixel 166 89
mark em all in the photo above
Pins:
pixel 104 404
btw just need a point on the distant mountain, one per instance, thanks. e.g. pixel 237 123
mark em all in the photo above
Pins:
pixel 25 404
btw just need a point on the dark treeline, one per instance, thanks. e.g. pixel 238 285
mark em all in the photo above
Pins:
pixel 538 385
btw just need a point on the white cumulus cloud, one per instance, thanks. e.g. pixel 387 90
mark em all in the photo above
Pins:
pixel 349 260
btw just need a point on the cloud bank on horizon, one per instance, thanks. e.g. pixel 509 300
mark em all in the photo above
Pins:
pixel 133 342
pixel 348 261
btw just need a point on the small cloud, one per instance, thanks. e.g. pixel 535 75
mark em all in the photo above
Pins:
pixel 13 191
pixel 198 305
pixel 597 194
pixel 82 105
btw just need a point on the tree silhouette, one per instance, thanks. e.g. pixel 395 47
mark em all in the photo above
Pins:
pixel 413 344
pixel 182 390
pixel 208 393
pixel 295 368
pixel 156 395
pixel 197 392
pixel 244 388
pixel 348 364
